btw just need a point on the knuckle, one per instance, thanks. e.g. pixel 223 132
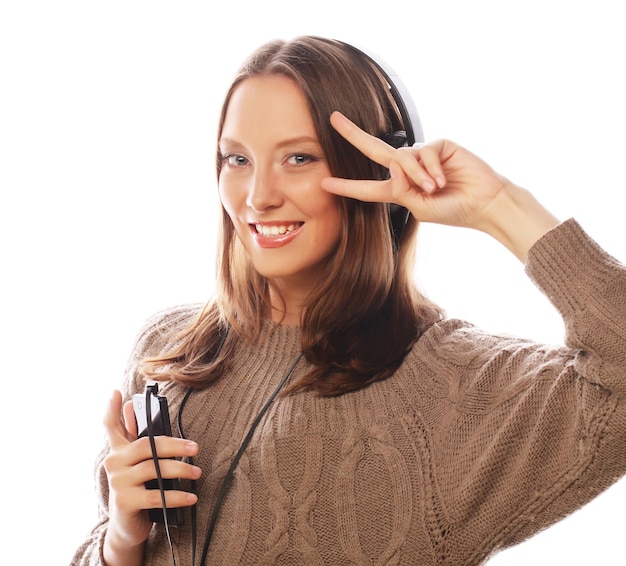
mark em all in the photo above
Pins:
pixel 110 462
pixel 142 443
pixel 118 500
pixel 153 498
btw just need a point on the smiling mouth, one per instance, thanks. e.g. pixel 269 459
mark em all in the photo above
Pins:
pixel 276 230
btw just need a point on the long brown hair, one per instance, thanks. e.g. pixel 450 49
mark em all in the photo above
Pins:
pixel 366 312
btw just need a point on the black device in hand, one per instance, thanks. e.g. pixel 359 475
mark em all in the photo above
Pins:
pixel 160 427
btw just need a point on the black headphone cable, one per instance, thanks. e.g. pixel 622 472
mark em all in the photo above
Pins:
pixel 152 390
pixel 231 470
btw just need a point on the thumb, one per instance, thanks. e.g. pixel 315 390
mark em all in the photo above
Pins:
pixel 130 420
pixel 113 423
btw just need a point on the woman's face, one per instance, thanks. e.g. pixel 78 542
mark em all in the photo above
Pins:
pixel 272 165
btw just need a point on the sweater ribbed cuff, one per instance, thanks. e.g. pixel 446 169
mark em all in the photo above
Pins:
pixel 568 266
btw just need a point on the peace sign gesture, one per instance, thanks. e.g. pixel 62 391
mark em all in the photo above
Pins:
pixel 444 183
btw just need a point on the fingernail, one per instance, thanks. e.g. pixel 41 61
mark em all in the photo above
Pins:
pixel 428 186
pixel 191 447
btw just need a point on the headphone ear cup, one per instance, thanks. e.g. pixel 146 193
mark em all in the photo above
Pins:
pixel 398 218
pixel 396 139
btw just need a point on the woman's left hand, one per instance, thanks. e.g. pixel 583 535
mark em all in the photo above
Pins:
pixel 444 183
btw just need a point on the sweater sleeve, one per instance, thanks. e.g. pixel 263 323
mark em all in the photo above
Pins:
pixel 531 432
pixel 158 329
pixel 588 287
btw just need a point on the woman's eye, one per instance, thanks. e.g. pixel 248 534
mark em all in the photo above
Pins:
pixel 300 159
pixel 235 159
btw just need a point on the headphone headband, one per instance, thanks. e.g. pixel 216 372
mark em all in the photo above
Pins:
pixel 400 94
pixel 398 215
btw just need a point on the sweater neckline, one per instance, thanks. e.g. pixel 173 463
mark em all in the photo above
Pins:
pixel 276 340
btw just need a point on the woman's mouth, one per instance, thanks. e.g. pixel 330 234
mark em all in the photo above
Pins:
pixel 276 230
pixel 275 234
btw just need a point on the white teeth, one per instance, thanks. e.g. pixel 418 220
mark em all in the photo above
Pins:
pixel 274 230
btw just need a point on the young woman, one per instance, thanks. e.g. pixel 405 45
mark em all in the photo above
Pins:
pixel 328 412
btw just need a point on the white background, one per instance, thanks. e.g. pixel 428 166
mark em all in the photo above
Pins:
pixel 107 212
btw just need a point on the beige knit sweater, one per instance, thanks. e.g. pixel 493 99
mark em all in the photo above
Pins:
pixel 477 442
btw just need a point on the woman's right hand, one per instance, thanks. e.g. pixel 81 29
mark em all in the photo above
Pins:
pixel 444 183
pixel 128 466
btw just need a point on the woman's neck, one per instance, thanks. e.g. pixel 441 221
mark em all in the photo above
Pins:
pixel 286 305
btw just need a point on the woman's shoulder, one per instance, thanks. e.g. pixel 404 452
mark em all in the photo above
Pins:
pixel 164 326
pixel 458 361
pixel 460 343
pixel 173 316
pixel 159 331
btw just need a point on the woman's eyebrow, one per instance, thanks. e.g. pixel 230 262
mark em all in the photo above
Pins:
pixel 230 142
pixel 283 143
pixel 297 140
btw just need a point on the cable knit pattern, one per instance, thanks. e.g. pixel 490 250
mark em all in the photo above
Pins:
pixel 476 443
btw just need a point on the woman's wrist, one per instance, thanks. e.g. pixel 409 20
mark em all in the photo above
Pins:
pixel 517 220
pixel 116 551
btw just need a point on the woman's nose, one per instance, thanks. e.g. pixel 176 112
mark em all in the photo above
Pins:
pixel 263 191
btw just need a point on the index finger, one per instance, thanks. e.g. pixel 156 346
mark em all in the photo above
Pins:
pixel 370 146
